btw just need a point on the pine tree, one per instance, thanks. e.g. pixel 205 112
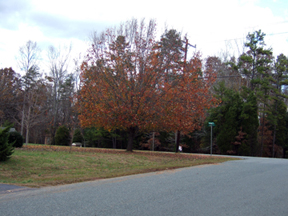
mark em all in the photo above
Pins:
pixel 226 117
pixel 77 136
pixel 256 66
pixel 230 125
pixel 249 124
pixel 236 120
pixel 6 148
pixel 285 147
pixel 256 61
pixel 281 131
pixel 62 136
pixel 279 80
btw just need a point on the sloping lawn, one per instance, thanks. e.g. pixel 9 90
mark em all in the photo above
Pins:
pixel 42 165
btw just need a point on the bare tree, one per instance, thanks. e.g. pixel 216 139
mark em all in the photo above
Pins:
pixel 77 63
pixel 28 56
pixel 233 49
pixel 35 106
pixel 58 68
pixel 225 72
pixel 130 30
pixel 28 60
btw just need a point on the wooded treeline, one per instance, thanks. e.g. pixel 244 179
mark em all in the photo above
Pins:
pixel 252 117
pixel 38 103
pixel 134 91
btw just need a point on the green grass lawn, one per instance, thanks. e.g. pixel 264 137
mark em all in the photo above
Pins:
pixel 44 166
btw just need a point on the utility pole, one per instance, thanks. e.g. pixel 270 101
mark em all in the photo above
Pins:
pixel 186 49
pixel 177 137
pixel 153 144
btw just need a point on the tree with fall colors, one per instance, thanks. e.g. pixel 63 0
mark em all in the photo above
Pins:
pixel 10 85
pixel 125 85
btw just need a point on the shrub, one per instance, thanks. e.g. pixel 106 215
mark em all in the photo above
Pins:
pixel 77 137
pixel 17 138
pixel 62 136
pixel 6 148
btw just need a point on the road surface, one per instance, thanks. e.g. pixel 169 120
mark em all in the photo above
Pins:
pixel 252 186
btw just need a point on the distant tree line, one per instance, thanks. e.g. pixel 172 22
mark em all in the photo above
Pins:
pixel 133 91
pixel 252 117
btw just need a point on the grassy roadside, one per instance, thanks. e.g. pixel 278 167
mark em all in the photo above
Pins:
pixel 40 165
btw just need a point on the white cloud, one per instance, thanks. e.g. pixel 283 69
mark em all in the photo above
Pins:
pixel 208 23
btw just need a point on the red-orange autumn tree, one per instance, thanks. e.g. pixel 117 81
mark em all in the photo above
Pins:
pixel 125 84
pixel 188 98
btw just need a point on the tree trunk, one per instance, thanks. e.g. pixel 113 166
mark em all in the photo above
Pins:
pixel 177 141
pixel 131 136
pixel 114 139
pixel 22 121
pixel 23 113
pixel 262 137
pixel 273 144
pixel 27 135
pixel 28 125
pixel 153 146
pixel 274 132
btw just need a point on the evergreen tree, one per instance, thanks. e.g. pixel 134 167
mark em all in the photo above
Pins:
pixel 236 120
pixel 77 136
pixel 99 137
pixel 281 132
pixel 226 117
pixel 257 60
pixel 285 147
pixel 256 66
pixel 62 136
pixel 171 49
pixel 279 80
pixel 6 148
pixel 230 121
pixel 90 137
pixel 16 138
pixel 249 124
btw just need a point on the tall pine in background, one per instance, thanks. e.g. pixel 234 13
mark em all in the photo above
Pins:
pixel 256 66
pixel 249 123
pixel 281 132
pixel 280 75
pixel 236 120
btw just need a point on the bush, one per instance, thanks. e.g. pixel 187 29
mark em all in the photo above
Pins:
pixel 62 136
pixel 17 138
pixel 77 137
pixel 6 148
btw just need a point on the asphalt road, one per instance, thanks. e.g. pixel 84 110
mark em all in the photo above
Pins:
pixel 253 186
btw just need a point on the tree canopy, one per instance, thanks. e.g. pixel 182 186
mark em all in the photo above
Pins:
pixel 126 84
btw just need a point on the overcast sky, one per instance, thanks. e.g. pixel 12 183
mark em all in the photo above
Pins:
pixel 213 25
